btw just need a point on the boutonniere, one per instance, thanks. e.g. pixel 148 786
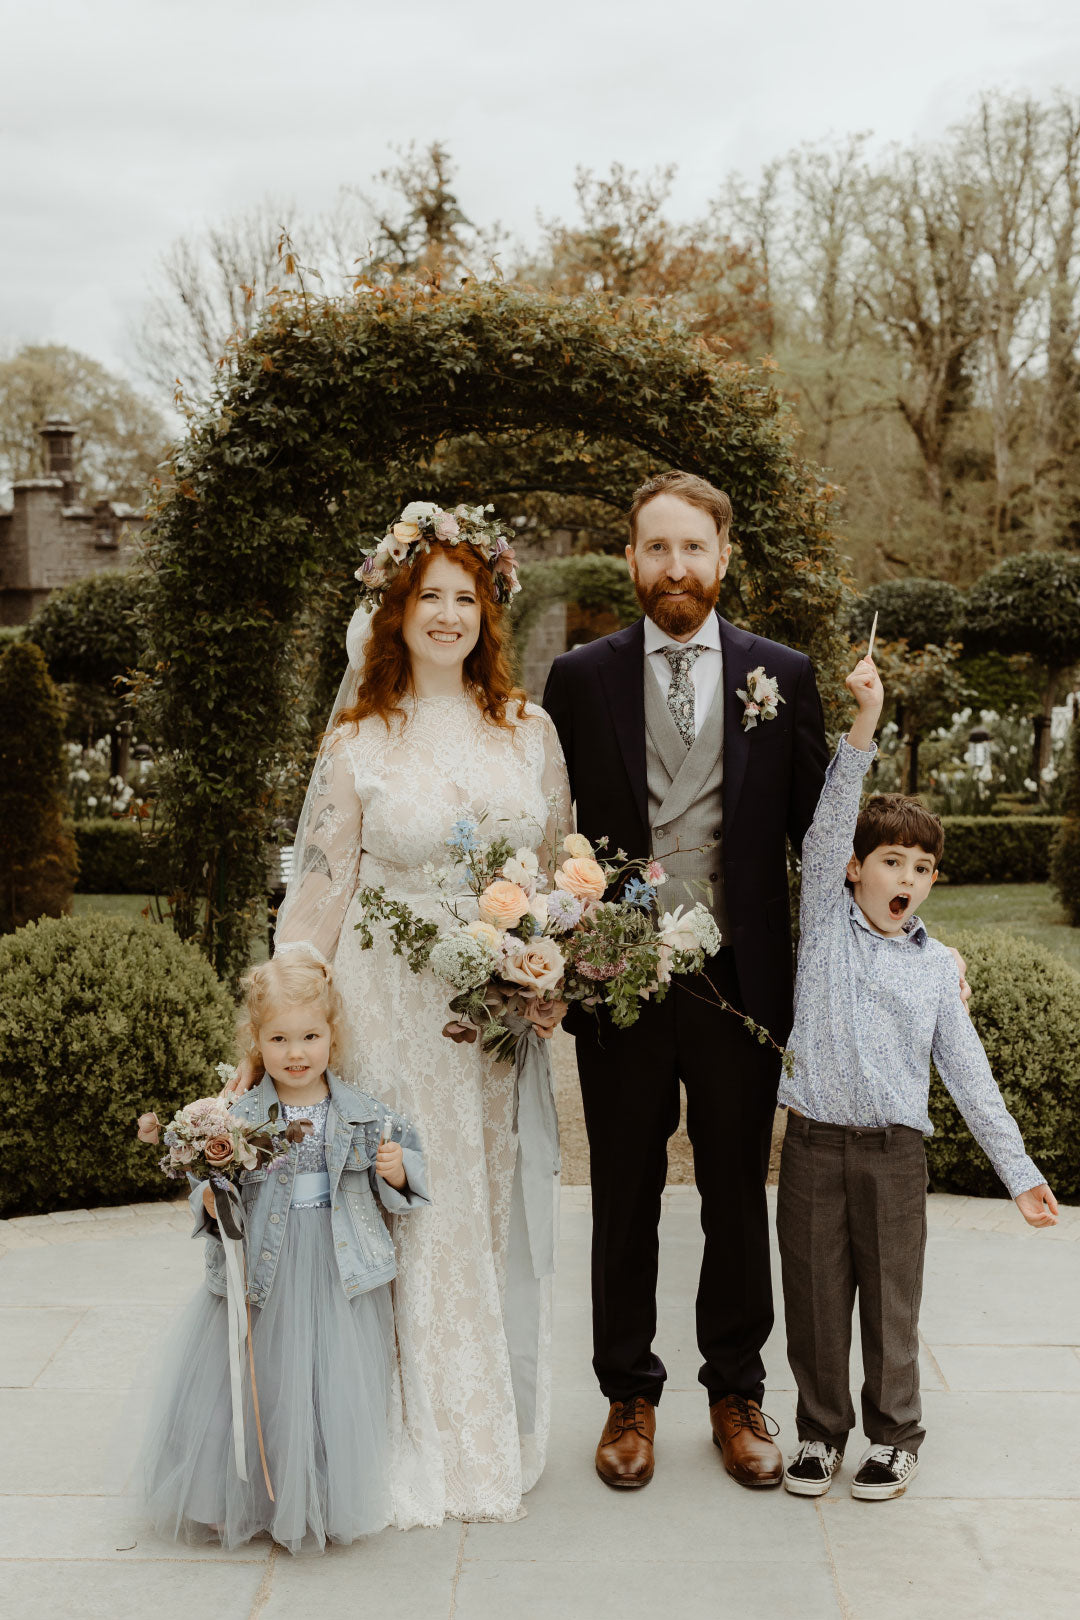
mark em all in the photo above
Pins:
pixel 760 697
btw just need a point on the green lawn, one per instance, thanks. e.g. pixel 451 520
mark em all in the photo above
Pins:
pixel 1031 909
pixel 133 905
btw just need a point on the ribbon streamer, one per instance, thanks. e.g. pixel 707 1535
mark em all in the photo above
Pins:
pixel 229 1209
pixel 531 1242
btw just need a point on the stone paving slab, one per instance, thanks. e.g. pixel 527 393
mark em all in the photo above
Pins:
pixel 987 1529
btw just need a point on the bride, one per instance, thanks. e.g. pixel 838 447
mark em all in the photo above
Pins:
pixel 428 731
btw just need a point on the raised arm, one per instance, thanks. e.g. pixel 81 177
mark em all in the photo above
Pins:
pixel 327 856
pixel 826 848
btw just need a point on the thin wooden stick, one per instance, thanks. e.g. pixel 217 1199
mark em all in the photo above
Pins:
pixel 255 1396
pixel 873 633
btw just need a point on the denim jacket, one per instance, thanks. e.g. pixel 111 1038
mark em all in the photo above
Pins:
pixel 362 1244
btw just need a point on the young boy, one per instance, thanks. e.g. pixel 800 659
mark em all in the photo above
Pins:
pixel 875 999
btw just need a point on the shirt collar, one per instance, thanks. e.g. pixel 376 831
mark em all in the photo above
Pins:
pixel 707 636
pixel 913 931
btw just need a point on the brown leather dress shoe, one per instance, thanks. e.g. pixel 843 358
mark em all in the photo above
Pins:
pixel 624 1457
pixel 739 1429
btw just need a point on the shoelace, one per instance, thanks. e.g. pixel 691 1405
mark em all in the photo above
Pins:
pixel 745 1416
pixel 887 1456
pixel 630 1415
pixel 817 1450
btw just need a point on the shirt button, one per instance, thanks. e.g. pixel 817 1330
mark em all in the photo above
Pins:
pixel 274 1219
pixel 283 1178
pixel 265 1255
pixel 661 832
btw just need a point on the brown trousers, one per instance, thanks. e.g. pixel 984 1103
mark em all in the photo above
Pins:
pixel 851 1218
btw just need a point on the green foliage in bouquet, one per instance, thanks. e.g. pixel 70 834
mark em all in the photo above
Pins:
pixel 1025 1005
pixel 100 1018
pixel 38 864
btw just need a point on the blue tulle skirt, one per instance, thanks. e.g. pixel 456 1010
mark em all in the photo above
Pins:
pixel 322 1366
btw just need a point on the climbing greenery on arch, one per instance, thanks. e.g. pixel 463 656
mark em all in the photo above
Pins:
pixel 337 411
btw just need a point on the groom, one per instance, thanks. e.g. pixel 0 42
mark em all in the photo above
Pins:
pixel 663 763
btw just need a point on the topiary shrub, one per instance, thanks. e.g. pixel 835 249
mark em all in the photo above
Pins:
pixel 998 849
pixel 115 857
pixel 38 864
pixel 1025 1004
pixel 101 1018
pixel 1065 856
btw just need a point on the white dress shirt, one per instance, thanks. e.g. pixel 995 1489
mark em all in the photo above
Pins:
pixel 707 670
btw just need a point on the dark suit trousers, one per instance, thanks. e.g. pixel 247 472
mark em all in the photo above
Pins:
pixel 630 1088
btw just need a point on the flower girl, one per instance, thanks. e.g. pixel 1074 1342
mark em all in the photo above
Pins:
pixel 319 1260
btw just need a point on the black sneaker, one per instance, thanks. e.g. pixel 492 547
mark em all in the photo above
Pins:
pixel 812 1470
pixel 883 1472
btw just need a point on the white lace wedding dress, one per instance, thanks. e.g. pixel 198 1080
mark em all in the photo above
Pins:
pixel 382 807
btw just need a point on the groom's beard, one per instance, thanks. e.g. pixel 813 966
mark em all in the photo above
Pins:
pixel 686 613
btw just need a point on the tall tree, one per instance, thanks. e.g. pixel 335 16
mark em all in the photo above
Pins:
pixel 122 438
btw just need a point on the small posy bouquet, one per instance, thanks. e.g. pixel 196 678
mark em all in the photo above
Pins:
pixel 543 937
pixel 204 1140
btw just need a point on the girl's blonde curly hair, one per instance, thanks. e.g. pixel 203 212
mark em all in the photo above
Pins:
pixel 294 980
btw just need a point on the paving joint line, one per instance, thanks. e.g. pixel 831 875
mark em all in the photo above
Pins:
pixel 82 1312
pixel 455 1578
pixel 262 1595
pixel 842 1604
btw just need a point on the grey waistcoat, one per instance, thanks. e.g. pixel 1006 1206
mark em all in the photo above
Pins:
pixel 686 802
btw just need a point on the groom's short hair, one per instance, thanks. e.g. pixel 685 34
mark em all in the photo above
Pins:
pixel 688 487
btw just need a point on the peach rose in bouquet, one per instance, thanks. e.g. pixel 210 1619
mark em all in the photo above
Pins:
pixel 537 965
pixel 503 904
pixel 582 877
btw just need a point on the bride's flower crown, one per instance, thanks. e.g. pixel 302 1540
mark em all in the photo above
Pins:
pixel 419 524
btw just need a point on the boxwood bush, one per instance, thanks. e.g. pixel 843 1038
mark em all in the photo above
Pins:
pixel 998 849
pixel 115 857
pixel 1025 1005
pixel 101 1018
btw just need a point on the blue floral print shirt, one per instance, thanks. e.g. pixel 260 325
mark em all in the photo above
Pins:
pixel 872 1010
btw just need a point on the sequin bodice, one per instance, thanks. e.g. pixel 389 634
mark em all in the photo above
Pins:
pixel 310 1154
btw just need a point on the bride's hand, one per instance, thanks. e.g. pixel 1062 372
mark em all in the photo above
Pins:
pixel 245 1079
pixel 544 1016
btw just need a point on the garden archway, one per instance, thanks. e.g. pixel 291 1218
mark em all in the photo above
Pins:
pixel 334 414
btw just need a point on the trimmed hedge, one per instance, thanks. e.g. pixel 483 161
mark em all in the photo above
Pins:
pixel 1025 1004
pixel 115 857
pixel 101 1018
pixel 998 849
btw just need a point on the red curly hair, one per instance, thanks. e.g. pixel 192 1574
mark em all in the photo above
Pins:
pixel 387 674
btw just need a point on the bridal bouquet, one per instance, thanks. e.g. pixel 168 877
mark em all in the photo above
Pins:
pixel 543 936
pixel 204 1140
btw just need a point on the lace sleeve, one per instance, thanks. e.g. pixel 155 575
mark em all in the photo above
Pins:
pixel 556 789
pixel 326 857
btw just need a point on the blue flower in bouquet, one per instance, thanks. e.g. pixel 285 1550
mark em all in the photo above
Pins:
pixel 563 911
pixel 462 838
pixel 639 893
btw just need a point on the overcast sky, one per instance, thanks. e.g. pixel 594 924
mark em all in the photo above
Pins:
pixel 124 123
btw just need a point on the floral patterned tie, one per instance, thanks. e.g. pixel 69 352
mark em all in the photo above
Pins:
pixel 680 696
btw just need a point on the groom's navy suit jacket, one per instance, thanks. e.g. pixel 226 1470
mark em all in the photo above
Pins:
pixel 773 776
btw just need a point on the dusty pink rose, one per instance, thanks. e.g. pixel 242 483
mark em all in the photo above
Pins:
pixel 581 877
pixel 446 527
pixel 182 1153
pixel 149 1128
pixel 503 904
pixel 218 1151
pixel 537 966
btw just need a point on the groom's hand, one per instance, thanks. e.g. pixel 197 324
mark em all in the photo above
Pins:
pixel 961 968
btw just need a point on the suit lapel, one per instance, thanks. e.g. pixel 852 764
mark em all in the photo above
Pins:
pixel 622 677
pixel 738 649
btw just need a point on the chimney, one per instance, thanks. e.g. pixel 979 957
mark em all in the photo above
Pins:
pixel 59 438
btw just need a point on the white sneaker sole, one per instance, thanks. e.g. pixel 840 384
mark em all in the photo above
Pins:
pixel 808 1487
pixel 884 1493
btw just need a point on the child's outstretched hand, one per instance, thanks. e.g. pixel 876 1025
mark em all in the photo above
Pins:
pixel 1038 1206
pixel 390 1164
pixel 864 684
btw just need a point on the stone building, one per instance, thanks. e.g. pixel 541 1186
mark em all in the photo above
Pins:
pixel 50 538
